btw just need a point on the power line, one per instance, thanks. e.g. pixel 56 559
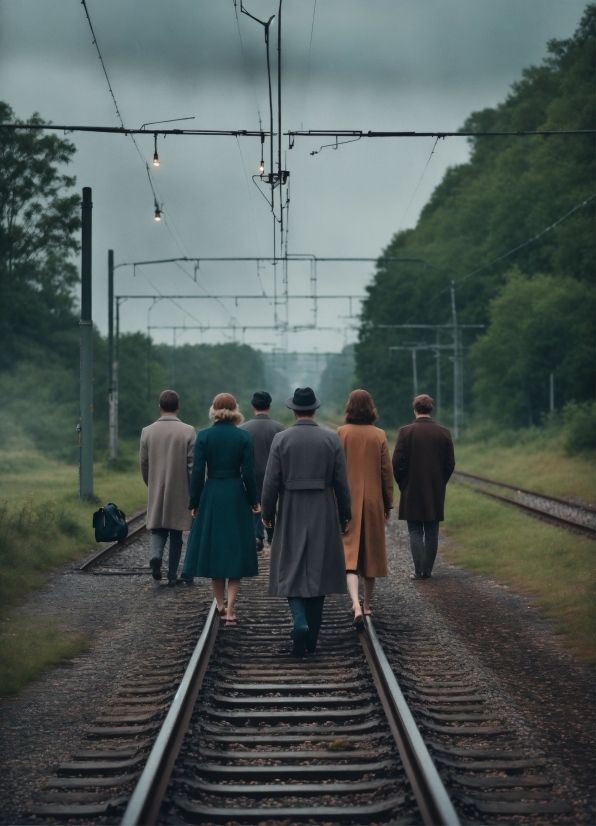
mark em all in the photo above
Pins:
pixel 529 241
pixel 158 206
pixel 244 60
pixel 418 184
pixel 359 133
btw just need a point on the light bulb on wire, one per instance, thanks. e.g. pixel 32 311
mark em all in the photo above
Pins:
pixel 157 214
pixel 262 166
pixel 155 155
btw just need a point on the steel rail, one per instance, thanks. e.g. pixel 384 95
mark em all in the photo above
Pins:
pixel 432 798
pixel 431 795
pixel 143 807
pixel 587 506
pixel 559 521
pixel 89 563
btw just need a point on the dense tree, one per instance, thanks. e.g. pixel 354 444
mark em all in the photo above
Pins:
pixel 38 221
pixel 509 191
pixel 530 336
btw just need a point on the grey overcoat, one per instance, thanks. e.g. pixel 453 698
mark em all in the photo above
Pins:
pixel 167 452
pixel 306 468
pixel 262 429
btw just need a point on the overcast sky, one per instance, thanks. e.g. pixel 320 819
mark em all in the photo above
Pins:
pixel 371 64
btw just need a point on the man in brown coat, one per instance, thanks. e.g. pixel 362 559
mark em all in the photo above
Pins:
pixel 423 461
pixel 167 453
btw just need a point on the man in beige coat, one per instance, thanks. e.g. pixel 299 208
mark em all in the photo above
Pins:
pixel 167 452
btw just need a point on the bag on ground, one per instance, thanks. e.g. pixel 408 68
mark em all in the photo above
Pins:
pixel 110 524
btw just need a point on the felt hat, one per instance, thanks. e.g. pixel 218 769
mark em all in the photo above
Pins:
pixel 303 399
pixel 261 398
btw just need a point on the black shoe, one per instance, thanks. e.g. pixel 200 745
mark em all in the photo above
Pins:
pixel 298 651
pixel 260 545
pixel 416 576
pixel 155 565
pixel 186 581
pixel 173 582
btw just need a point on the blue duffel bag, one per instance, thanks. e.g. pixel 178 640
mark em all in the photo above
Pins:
pixel 110 524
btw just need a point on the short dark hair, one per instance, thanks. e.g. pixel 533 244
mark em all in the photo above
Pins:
pixel 169 401
pixel 261 405
pixel 360 408
pixel 423 404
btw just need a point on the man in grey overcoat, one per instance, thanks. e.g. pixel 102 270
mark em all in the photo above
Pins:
pixel 262 429
pixel 307 472
pixel 423 461
pixel 166 455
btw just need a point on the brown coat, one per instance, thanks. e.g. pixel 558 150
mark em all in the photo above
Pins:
pixel 423 461
pixel 371 488
pixel 167 452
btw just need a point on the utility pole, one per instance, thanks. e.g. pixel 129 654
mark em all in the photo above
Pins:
pixel 458 402
pixel 438 391
pixel 414 371
pixel 112 368
pixel 552 393
pixel 85 426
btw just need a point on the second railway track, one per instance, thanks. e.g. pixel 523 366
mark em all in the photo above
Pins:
pixel 561 512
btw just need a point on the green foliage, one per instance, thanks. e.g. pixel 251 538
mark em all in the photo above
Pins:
pixel 510 190
pixel 579 427
pixel 38 221
pixel 537 326
pixel 28 647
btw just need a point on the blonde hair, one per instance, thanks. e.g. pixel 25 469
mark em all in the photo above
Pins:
pixel 225 408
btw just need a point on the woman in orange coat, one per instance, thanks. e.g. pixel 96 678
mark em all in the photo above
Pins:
pixel 370 475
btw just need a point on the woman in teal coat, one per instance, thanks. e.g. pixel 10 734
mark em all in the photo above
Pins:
pixel 221 544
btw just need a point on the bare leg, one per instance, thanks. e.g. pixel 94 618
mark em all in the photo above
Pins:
pixel 233 588
pixel 353 591
pixel 218 586
pixel 369 584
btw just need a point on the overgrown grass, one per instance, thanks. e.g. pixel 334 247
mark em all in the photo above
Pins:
pixel 28 647
pixel 540 465
pixel 42 526
pixel 553 565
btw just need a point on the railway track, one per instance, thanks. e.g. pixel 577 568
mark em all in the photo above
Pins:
pixel 233 729
pixel 561 512
pixel 255 735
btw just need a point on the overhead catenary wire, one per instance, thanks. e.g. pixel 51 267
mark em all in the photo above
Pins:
pixel 432 152
pixel 457 282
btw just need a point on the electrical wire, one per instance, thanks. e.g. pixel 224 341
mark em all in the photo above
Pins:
pixel 159 207
pixel 167 298
pixel 417 185
pixel 461 279
pixel 244 60
pixel 529 241
pixel 252 211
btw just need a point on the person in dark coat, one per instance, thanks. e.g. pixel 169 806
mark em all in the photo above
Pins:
pixel 423 461
pixel 306 471
pixel 262 429
pixel 221 544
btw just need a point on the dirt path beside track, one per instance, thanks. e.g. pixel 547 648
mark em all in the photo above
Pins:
pixel 125 618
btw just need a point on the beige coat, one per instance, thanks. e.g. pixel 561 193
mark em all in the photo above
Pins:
pixel 371 486
pixel 167 452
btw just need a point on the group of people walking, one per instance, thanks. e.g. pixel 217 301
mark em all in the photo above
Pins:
pixel 322 499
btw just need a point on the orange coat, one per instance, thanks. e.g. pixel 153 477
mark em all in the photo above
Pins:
pixel 370 475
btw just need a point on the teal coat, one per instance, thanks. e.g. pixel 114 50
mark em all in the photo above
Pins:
pixel 222 539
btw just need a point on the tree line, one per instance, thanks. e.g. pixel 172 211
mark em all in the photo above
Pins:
pixel 537 304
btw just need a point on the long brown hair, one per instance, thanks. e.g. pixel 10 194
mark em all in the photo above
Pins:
pixel 360 408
